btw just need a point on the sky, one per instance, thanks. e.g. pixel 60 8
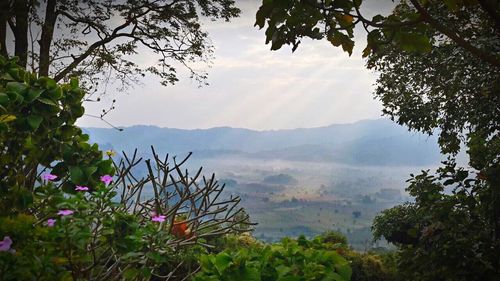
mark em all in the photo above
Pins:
pixel 252 87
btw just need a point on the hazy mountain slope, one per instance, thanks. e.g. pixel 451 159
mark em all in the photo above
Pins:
pixel 369 142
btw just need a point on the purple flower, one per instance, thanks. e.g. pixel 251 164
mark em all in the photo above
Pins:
pixel 51 222
pixel 49 177
pixel 81 188
pixel 65 212
pixel 107 179
pixel 158 218
pixel 5 244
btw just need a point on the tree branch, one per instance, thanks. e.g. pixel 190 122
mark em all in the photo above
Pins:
pixel 491 59
pixel 21 13
pixel 61 74
pixel 46 38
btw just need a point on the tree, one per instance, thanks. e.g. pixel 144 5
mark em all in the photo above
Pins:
pixel 97 40
pixel 439 72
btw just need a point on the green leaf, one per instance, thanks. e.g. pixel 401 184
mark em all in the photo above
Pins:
pixel 222 261
pixel 47 101
pixel 282 270
pixel 34 121
pixel 50 83
pixel 76 175
pixel 33 94
pixel 88 171
pixel 340 39
pixel 56 93
pixel 4 99
pixel 16 87
pixel 344 270
pixel 413 42
pixel 130 274
pixel 251 274
pixel 73 83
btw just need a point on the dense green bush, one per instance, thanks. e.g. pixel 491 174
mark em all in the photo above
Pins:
pixel 292 260
pixel 367 266
pixel 38 133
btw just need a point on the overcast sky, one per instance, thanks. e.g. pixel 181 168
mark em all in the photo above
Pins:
pixel 253 87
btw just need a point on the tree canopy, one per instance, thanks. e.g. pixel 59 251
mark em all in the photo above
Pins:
pixel 438 66
pixel 98 40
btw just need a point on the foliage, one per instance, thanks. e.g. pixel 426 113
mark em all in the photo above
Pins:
pixel 365 266
pixel 299 259
pixel 114 232
pixel 335 238
pixel 38 134
pixel 448 235
pixel 109 221
pixel 439 72
pixel 370 267
pixel 98 40
pixel 453 228
pixel 407 26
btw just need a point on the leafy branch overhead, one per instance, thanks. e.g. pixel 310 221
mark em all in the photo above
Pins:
pixel 411 25
pixel 100 39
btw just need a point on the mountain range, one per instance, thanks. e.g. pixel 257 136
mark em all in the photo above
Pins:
pixel 368 142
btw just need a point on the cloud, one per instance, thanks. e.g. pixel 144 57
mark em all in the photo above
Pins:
pixel 253 87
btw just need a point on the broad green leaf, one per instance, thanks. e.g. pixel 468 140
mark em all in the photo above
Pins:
pixel 344 270
pixel 89 171
pixel 16 87
pixel 251 274
pixel 282 270
pixel 34 121
pixel 47 101
pixel 4 99
pixel 222 261
pixel 55 93
pixel 76 175
pixel 33 94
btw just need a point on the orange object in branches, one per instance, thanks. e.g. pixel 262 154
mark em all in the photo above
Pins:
pixel 180 229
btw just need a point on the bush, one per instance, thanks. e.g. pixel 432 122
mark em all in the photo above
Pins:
pixel 365 266
pixel 291 259
pixel 38 133
pixel 371 267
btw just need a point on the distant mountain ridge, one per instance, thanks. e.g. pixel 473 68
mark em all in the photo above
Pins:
pixel 367 142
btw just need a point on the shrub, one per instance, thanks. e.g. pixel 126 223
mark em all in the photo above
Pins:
pixel 38 133
pixel 371 267
pixel 292 259
pixel 365 266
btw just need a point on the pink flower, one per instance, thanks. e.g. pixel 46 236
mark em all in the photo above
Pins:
pixel 65 212
pixel 81 188
pixel 51 222
pixel 158 218
pixel 49 177
pixel 107 179
pixel 5 244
